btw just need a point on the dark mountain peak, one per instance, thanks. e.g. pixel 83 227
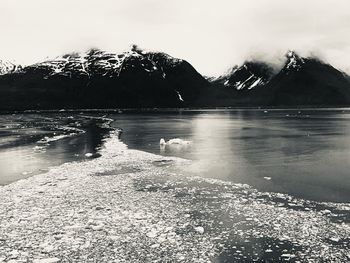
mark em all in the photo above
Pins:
pixel 164 59
pixel 260 68
pixel 308 81
pixel 97 78
pixel 250 75
pixel 94 51
pixel 98 62
pixel 135 48
pixel 294 61
pixel 292 54
pixel 7 67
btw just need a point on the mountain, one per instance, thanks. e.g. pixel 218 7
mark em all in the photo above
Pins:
pixel 7 67
pixel 142 79
pixel 98 79
pixel 308 81
pixel 250 75
pixel 301 81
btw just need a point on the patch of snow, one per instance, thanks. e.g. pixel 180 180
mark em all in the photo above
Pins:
pixel 255 83
pixel 241 85
pixel 179 95
pixel 294 61
pixel 7 67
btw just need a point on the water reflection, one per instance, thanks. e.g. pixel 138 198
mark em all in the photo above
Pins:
pixel 304 153
pixel 31 147
pixel 301 152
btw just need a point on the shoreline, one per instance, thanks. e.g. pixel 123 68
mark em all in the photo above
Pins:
pixel 133 206
pixel 76 211
pixel 167 110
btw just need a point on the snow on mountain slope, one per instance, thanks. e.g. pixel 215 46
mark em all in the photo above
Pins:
pixel 294 61
pixel 308 81
pixel 7 67
pixel 100 79
pixel 247 77
pixel 97 62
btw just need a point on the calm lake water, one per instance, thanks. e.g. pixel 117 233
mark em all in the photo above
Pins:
pixel 305 153
pixel 31 143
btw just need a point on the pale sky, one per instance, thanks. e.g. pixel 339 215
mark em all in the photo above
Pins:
pixel 211 35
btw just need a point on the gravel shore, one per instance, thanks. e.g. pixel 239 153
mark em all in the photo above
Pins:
pixel 132 206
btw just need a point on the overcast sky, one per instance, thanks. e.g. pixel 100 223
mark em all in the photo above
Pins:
pixel 212 35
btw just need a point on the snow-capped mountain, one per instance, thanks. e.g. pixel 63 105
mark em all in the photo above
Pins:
pixel 250 75
pixel 141 79
pixel 294 61
pixel 7 67
pixel 96 62
pixel 301 81
pixel 308 81
pixel 134 78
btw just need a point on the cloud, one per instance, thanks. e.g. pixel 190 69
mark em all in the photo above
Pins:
pixel 212 35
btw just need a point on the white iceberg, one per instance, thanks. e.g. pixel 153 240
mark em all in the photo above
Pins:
pixel 175 141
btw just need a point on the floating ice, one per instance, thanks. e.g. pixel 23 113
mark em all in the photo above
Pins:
pixel 48 139
pixel 175 141
pixel 46 260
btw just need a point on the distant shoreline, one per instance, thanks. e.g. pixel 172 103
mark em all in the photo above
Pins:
pixel 192 109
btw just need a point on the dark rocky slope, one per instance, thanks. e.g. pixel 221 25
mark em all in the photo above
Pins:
pixel 300 82
pixel 140 79
pixel 98 79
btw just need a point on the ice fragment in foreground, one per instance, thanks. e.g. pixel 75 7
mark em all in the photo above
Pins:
pixel 199 229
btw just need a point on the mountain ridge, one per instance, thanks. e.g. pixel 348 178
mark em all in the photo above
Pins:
pixel 97 78
pixel 139 78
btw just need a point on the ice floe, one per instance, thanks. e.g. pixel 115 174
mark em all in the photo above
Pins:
pixel 175 141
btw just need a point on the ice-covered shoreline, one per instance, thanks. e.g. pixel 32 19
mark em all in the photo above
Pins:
pixel 76 212
pixel 133 206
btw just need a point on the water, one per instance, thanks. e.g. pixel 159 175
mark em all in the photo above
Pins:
pixel 31 143
pixel 301 152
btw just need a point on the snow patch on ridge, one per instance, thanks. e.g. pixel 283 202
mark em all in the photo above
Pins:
pixel 294 61
pixel 7 67
pixel 99 62
pixel 179 95
pixel 255 83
